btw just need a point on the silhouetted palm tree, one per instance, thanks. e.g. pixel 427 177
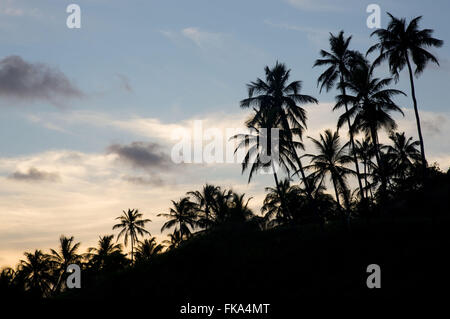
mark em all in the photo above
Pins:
pixel 238 210
pixel 365 151
pixel 174 240
pixel 206 201
pixel 274 154
pixel 403 154
pixel 339 63
pixel 131 225
pixel 400 42
pixel 7 280
pixel 331 160
pixel 272 208
pixel 63 257
pixel 284 100
pixel 371 104
pixel 37 271
pixel 182 216
pixel 147 249
pixel 105 252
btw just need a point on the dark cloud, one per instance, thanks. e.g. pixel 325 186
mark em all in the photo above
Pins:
pixel 26 81
pixel 35 175
pixel 141 155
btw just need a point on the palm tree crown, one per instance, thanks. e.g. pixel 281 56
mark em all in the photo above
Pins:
pixel 131 224
pixel 182 216
pixel 331 159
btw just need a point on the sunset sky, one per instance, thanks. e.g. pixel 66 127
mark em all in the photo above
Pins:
pixel 87 114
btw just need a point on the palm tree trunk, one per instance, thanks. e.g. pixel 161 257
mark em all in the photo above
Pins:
pixel 283 202
pixel 416 112
pixel 365 177
pixel 352 141
pixel 132 250
pixel 302 172
pixel 336 192
pixel 378 157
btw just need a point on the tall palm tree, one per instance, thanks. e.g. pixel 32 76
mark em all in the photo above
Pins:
pixel 331 160
pixel 105 250
pixel 399 43
pixel 276 153
pixel 403 154
pixel 37 272
pixel 283 98
pixel 371 104
pixel 63 257
pixel 339 61
pixel 147 249
pixel 182 216
pixel 206 201
pixel 132 225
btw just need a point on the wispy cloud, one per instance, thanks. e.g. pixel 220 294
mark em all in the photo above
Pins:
pixel 202 38
pixel 35 175
pixel 316 5
pixel 11 8
pixel 317 36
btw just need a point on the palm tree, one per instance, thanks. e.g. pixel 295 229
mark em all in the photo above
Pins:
pixel 106 249
pixel 131 225
pixel 371 104
pixel 9 282
pixel 174 240
pixel 339 62
pixel 66 255
pixel 331 160
pixel 365 152
pixel 147 249
pixel 37 272
pixel 182 216
pixel 403 154
pixel 283 99
pixel 277 153
pixel 400 42
pixel 205 201
pixel 238 208
pixel 272 207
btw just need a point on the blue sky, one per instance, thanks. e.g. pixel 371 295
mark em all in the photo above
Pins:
pixel 153 65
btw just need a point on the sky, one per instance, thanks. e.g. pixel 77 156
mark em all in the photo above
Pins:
pixel 87 115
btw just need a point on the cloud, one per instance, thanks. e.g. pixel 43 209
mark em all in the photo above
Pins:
pixel 144 181
pixel 141 155
pixel 434 124
pixel 35 175
pixel 315 5
pixel 9 8
pixel 315 35
pixel 203 38
pixel 24 81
